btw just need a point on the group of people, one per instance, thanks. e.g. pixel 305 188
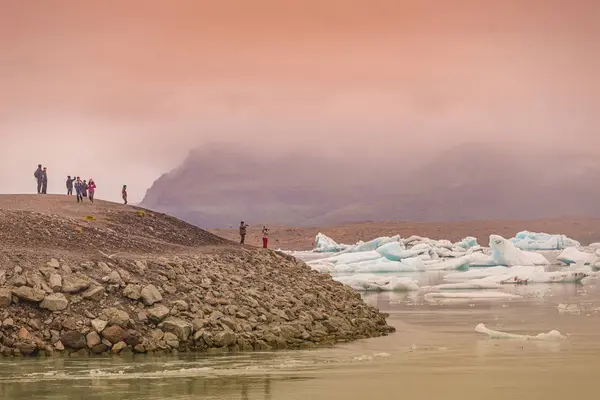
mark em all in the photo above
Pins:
pixel 244 231
pixel 83 188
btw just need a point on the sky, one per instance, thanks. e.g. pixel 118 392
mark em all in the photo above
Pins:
pixel 120 91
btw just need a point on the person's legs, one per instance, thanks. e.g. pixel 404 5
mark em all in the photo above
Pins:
pixel 242 239
pixel 91 197
pixel 44 187
pixel 39 186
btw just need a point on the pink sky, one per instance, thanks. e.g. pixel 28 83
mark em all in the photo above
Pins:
pixel 121 90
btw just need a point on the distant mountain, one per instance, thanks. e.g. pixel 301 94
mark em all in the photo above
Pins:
pixel 218 186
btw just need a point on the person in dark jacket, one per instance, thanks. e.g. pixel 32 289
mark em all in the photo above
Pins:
pixel 70 185
pixel 243 228
pixel 85 188
pixel 124 193
pixel 79 189
pixel 38 177
pixel 44 180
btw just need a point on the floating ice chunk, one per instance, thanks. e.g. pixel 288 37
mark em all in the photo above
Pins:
pixel 513 276
pixel 366 282
pixel 483 295
pixel 504 252
pixel 526 240
pixel 380 265
pixel 481 273
pixel 467 243
pixel 395 251
pixel 469 285
pixel 552 335
pixel 572 255
pixel 326 244
pixel 349 258
pixel 449 264
pixel 482 260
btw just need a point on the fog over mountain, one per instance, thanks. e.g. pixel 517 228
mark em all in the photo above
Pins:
pixel 218 186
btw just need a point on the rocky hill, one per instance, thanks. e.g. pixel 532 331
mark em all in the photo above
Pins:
pixel 217 187
pixel 106 278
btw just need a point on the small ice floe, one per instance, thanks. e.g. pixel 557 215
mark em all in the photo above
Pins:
pixel 552 335
pixel 452 297
pixel 376 283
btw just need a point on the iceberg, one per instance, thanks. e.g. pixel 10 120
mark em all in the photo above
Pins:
pixel 325 244
pixel 572 255
pixel 552 335
pixel 395 251
pixel 367 283
pixel 504 252
pixel 449 264
pixel 437 297
pixel 467 243
pixel 526 240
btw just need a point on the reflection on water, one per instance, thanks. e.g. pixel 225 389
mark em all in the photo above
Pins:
pixel 434 354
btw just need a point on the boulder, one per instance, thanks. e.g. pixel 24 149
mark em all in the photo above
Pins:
pixel 70 323
pixel 26 347
pixel 54 302
pixel 114 334
pixel 150 295
pixel 133 292
pixel 98 324
pixel 95 293
pixel 33 278
pixel 182 329
pixel 99 348
pixel 118 347
pixel 53 263
pixel 93 339
pixel 117 317
pixel 55 282
pixel 157 313
pixel 73 340
pixel 223 339
pixel 5 297
pixel 29 294
pixel 74 284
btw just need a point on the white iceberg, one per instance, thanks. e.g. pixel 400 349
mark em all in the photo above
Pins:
pixel 552 335
pixel 504 252
pixel 369 283
pixel 526 240
pixel 572 255
pixel 442 297
pixel 325 244
pixel 467 243
pixel 469 285
pixel 449 264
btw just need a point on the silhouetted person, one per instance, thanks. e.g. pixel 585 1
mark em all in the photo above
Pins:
pixel 243 228
pixel 85 188
pixel 265 233
pixel 70 185
pixel 44 180
pixel 91 189
pixel 79 189
pixel 124 193
pixel 38 177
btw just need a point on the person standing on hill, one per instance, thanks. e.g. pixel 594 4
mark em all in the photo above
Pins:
pixel 44 180
pixel 79 189
pixel 70 185
pixel 124 194
pixel 38 177
pixel 265 233
pixel 84 189
pixel 243 228
pixel 91 189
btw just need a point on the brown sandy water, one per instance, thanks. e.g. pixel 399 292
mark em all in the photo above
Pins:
pixel 435 354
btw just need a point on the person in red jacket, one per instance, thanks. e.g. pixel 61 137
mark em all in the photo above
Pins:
pixel 265 233
pixel 91 189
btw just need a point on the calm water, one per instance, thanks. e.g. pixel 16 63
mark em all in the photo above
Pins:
pixel 435 354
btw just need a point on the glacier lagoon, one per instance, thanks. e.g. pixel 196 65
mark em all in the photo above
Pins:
pixel 466 329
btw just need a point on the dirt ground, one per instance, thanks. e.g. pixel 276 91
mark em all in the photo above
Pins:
pixel 585 230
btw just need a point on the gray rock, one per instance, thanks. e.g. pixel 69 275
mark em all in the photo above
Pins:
pixel 157 313
pixel 95 293
pixel 117 317
pixel 133 292
pixel 179 327
pixel 33 278
pixel 180 305
pixel 53 263
pixel 198 324
pixel 5 297
pixel 2 277
pixel 102 266
pixel 18 280
pixel 93 339
pixel 224 338
pixel 55 302
pixel 55 281
pixel 73 340
pixel 98 325
pixel 70 323
pixel 73 284
pixel 171 340
pixel 150 295
pixel 29 294
pixel 125 276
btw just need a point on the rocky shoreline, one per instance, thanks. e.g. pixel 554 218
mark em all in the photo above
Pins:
pixel 235 299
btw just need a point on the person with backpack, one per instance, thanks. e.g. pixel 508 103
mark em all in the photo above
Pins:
pixel 38 177
pixel 44 180
pixel 79 189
